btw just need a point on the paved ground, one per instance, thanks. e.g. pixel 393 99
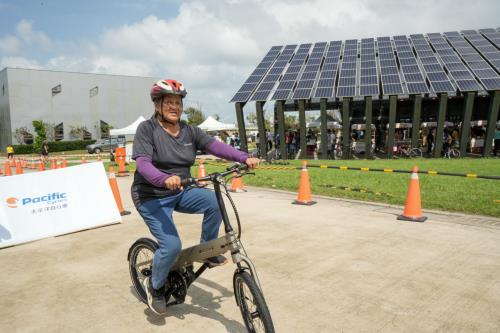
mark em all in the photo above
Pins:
pixel 338 266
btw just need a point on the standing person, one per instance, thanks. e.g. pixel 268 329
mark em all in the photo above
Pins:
pixel 44 151
pixel 269 137
pixel 430 142
pixel 10 152
pixel 332 139
pixel 165 149
pixel 497 141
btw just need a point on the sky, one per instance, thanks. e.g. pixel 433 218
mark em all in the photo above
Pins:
pixel 211 46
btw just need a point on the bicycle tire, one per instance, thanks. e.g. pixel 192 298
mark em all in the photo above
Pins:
pixel 255 315
pixel 415 152
pixel 456 153
pixel 137 274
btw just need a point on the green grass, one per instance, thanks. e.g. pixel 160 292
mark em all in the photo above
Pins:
pixel 460 194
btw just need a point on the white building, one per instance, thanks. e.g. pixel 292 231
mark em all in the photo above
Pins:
pixel 68 101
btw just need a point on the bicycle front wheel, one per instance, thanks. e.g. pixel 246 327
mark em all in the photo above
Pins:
pixel 252 304
pixel 140 262
pixel 416 152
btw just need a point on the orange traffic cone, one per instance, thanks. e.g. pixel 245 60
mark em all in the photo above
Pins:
pixel 24 163
pixel 58 164
pixel 52 164
pixel 201 171
pixel 122 171
pixel 116 193
pixel 19 167
pixel 412 211
pixel 12 163
pixel 8 171
pixel 41 165
pixel 304 197
pixel 64 163
pixel 84 160
pixel 237 183
pixel 32 164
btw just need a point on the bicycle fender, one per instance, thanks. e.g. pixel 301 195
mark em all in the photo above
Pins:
pixel 145 240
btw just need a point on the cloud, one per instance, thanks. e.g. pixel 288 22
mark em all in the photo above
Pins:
pixel 213 45
pixel 19 62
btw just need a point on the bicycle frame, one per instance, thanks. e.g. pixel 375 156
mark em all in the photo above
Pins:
pixel 229 242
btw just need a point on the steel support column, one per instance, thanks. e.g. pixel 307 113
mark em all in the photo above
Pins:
pixel 346 129
pixel 465 130
pixel 443 103
pixel 492 121
pixel 241 126
pixel 262 131
pixel 393 99
pixel 302 123
pixel 281 128
pixel 368 124
pixel 323 129
pixel 415 126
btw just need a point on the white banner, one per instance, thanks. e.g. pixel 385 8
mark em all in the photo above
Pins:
pixel 55 202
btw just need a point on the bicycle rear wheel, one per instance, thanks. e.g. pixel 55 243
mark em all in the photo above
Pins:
pixel 140 263
pixel 252 304
pixel 415 152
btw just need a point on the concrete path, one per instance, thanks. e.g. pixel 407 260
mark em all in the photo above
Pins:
pixel 337 266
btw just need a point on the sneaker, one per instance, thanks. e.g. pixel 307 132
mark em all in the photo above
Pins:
pixel 155 298
pixel 216 261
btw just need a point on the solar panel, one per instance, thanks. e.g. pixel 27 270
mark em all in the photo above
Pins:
pixel 468 85
pixel 481 69
pixel 306 82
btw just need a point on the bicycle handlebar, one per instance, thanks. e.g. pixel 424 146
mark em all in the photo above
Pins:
pixel 237 167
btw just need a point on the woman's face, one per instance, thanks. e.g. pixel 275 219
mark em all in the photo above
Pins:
pixel 171 108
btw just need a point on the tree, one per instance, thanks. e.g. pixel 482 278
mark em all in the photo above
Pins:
pixel 41 135
pixel 252 118
pixel 290 122
pixel 50 131
pixel 78 132
pixel 195 116
pixel 20 133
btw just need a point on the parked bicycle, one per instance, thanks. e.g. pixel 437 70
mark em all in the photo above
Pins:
pixel 406 152
pixel 247 289
pixel 452 153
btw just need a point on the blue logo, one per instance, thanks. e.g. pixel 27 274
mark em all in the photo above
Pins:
pixel 49 198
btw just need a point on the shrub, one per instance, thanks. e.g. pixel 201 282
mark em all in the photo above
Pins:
pixel 54 146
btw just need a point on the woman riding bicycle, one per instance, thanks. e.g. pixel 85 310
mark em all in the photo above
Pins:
pixel 165 149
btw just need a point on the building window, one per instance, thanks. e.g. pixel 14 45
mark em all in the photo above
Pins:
pixel 94 91
pixel 59 132
pixel 27 138
pixel 87 135
pixel 3 89
pixel 56 90
pixel 104 129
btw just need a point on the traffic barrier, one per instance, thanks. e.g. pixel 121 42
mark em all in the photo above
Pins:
pixel 116 192
pixel 237 183
pixel 304 195
pixel 412 211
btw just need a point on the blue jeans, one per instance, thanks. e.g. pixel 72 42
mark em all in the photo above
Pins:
pixel 157 214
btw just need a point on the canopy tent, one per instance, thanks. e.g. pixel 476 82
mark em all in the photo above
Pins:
pixel 212 124
pixel 361 127
pixel 434 124
pixel 129 130
pixel 330 123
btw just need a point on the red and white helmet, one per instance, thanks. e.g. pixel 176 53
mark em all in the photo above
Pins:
pixel 167 87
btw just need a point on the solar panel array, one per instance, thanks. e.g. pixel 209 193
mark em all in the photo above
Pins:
pixel 433 69
pixel 368 80
pixel 311 70
pixel 418 64
pixel 325 86
pixel 292 73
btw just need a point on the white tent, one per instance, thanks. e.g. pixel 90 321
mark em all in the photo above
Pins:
pixel 129 130
pixel 212 124
pixel 330 123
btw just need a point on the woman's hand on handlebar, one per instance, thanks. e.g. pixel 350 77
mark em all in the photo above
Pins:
pixel 252 162
pixel 173 183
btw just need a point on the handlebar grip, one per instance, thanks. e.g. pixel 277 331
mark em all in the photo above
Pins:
pixel 187 181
